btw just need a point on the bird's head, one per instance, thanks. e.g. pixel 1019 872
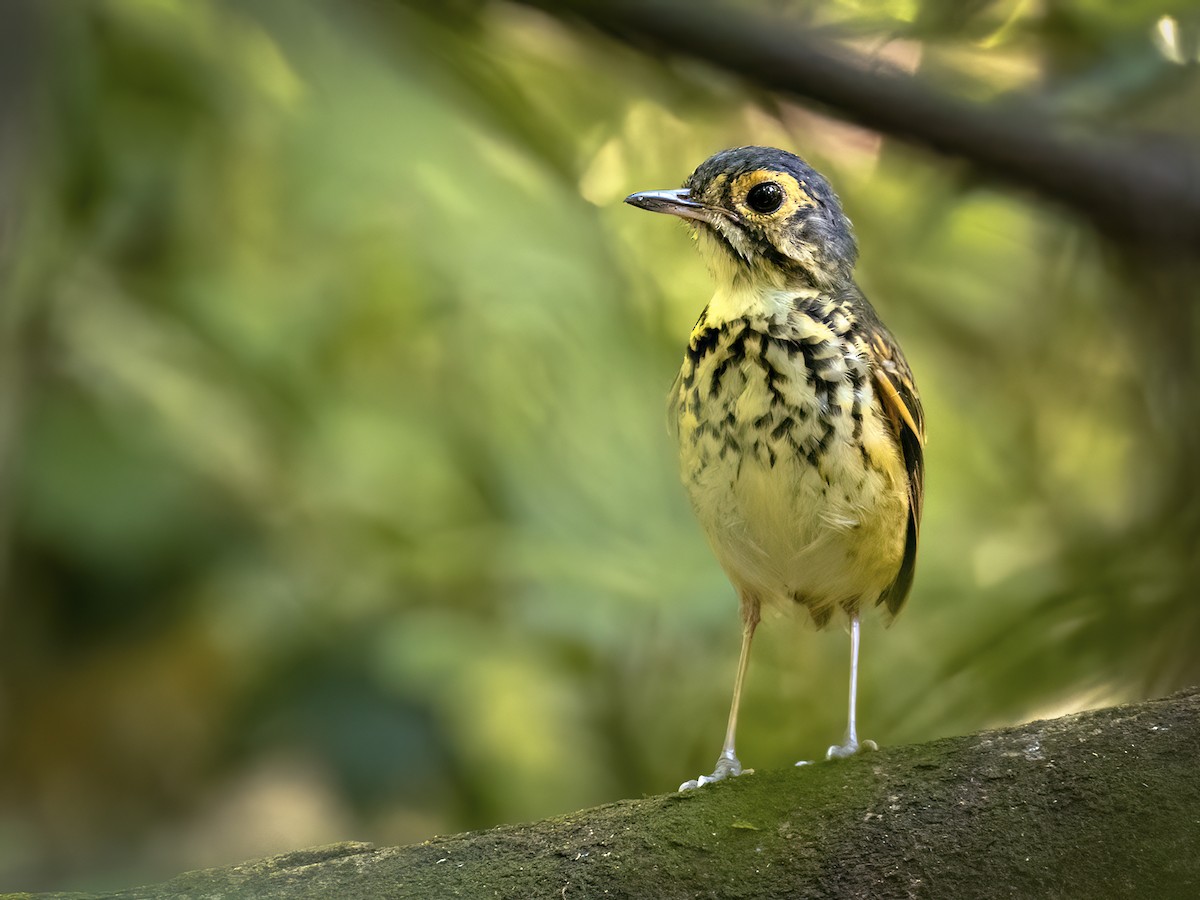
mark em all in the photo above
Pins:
pixel 763 218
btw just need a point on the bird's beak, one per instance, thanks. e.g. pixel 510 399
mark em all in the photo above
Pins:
pixel 676 203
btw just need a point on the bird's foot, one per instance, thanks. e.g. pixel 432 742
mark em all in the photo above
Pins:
pixel 728 766
pixel 850 748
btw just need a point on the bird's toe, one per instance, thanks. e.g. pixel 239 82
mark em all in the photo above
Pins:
pixel 727 767
pixel 850 748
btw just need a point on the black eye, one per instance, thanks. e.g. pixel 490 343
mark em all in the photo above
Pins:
pixel 765 197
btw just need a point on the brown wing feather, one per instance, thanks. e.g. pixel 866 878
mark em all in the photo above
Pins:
pixel 898 394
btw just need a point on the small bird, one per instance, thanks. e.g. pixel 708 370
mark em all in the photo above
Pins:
pixel 799 425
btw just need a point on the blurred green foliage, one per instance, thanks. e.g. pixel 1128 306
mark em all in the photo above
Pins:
pixel 337 501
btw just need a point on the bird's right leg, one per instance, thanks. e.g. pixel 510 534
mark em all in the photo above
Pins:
pixel 728 764
pixel 852 745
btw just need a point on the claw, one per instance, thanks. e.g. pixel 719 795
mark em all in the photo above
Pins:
pixel 850 748
pixel 727 767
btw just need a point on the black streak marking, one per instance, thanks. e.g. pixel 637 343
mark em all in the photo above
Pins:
pixel 703 344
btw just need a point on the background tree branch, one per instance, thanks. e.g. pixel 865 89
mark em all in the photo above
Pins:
pixel 1128 189
pixel 1099 804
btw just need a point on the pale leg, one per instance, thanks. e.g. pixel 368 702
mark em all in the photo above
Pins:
pixel 728 764
pixel 852 746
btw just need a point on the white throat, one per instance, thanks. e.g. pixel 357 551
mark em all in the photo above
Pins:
pixel 746 300
pixel 745 292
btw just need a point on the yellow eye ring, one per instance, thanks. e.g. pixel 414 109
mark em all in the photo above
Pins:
pixel 755 188
pixel 765 197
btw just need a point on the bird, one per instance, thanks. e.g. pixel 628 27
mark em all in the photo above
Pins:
pixel 800 428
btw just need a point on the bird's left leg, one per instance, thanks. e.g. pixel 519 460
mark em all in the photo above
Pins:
pixel 852 745
pixel 727 763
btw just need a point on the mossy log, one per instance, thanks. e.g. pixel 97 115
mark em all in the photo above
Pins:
pixel 1103 804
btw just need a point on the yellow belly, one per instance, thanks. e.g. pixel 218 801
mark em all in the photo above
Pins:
pixel 783 534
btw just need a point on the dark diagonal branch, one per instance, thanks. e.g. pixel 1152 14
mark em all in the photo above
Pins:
pixel 1130 191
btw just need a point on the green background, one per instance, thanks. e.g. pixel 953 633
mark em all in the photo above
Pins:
pixel 336 498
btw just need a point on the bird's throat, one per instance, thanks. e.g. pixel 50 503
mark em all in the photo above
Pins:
pixel 747 282
pixel 747 288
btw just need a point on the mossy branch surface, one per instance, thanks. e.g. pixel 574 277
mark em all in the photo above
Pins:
pixel 1100 804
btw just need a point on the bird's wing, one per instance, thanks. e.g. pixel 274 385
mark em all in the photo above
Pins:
pixel 898 394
